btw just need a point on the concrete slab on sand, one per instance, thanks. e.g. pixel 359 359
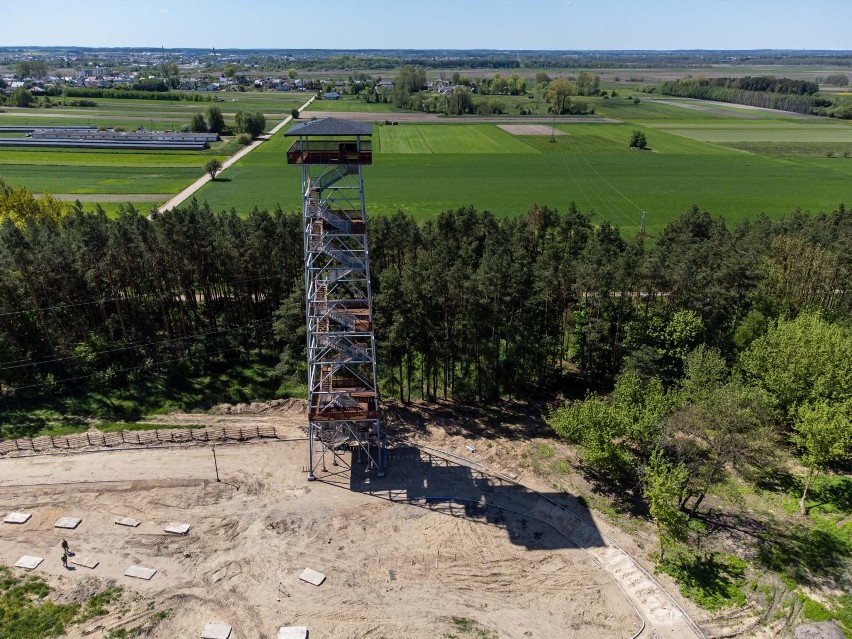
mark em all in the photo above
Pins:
pixel 17 518
pixel 86 562
pixel 293 632
pixel 312 576
pixel 216 631
pixel 140 573
pixel 67 522
pixel 28 562
pixel 177 529
pixel 127 521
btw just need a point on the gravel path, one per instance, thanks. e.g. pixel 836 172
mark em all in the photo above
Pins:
pixel 193 188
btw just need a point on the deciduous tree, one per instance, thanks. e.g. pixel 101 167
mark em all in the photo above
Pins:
pixel 823 432
pixel 215 121
pixel 559 93
pixel 213 166
pixel 197 123
pixel 663 484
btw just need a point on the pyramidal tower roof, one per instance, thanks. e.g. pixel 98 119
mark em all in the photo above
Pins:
pixel 331 127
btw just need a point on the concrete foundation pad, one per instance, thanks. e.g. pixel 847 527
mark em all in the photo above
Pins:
pixel 216 631
pixel 86 562
pixel 27 562
pixel 17 518
pixel 177 529
pixel 140 573
pixel 312 576
pixel 293 632
pixel 67 522
pixel 127 521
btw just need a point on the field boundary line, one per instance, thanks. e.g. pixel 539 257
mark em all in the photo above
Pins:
pixel 193 188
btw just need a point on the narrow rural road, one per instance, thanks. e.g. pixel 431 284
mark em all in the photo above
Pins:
pixel 189 191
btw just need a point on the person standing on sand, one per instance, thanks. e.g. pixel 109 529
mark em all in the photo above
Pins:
pixel 65 561
pixel 64 548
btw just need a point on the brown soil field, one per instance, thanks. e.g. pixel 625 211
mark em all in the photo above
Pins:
pixel 440 537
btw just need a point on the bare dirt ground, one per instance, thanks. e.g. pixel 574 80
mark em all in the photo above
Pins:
pixel 401 562
pixel 530 129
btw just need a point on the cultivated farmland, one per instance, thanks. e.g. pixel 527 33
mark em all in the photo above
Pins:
pixel 733 161
pixel 735 167
pixel 144 178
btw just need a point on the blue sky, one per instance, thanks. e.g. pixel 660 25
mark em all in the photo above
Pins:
pixel 457 24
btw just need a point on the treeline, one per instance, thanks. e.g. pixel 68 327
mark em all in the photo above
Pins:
pixel 782 101
pixel 473 307
pixel 126 94
pixel 467 306
pixel 93 303
pixel 436 59
pixel 764 83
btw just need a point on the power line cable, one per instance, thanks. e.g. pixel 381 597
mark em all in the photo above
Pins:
pixel 627 199
pixel 122 370
pixel 22 363
pixel 135 297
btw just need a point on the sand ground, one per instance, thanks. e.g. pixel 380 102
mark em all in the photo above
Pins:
pixel 394 569
pixel 455 529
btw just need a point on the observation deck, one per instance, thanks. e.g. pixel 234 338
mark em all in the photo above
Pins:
pixel 341 142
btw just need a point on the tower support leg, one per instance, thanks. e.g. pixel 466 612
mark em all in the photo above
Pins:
pixel 311 438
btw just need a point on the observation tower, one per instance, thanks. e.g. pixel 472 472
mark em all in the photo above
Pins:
pixel 343 395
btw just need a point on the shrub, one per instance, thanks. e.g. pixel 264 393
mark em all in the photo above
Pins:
pixel 243 139
pixel 713 581
pixel 638 140
pixel 21 98
pixel 252 123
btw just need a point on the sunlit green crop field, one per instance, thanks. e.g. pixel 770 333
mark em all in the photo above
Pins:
pixel 424 168
pixel 734 162
pixel 151 177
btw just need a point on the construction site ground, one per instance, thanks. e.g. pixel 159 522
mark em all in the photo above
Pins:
pixel 440 547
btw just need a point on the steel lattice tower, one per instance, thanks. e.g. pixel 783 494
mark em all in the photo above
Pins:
pixel 343 394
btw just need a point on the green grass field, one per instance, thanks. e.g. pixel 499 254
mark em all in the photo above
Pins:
pixel 112 173
pixel 447 138
pixel 350 106
pixel 105 179
pixel 426 168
